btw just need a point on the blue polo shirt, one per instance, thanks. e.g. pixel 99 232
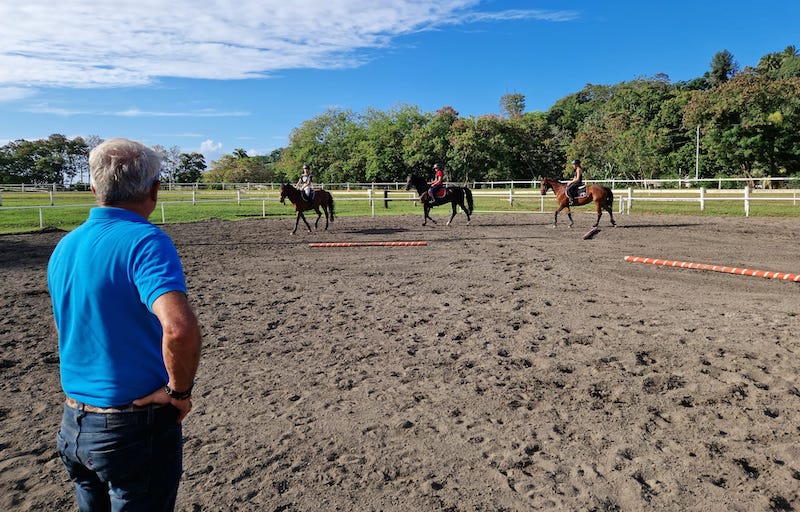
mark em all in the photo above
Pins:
pixel 103 278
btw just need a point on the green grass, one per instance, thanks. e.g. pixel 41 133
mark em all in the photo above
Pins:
pixel 21 212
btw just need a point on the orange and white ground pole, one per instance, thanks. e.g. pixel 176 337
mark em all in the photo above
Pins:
pixel 370 244
pixel 715 268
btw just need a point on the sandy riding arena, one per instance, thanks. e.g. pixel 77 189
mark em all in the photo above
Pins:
pixel 503 366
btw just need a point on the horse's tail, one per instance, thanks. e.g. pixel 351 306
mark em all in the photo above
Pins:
pixel 610 198
pixel 470 205
pixel 331 206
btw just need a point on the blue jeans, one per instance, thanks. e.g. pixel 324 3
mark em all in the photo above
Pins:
pixel 126 461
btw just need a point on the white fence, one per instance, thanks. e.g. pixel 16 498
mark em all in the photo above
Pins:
pixel 679 183
pixel 625 198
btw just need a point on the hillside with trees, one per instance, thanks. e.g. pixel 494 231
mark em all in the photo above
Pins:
pixel 746 121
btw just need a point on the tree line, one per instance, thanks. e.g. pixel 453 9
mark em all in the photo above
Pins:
pixel 745 123
pixel 63 161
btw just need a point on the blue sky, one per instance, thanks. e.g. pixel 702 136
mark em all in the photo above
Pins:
pixel 214 76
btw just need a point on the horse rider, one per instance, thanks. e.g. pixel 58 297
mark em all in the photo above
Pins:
pixel 436 184
pixel 575 182
pixel 304 184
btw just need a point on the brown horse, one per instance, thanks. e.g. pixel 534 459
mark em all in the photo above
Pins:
pixel 602 197
pixel 322 199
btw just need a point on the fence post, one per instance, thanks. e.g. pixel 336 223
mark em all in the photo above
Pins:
pixel 371 201
pixel 194 197
pixel 702 198
pixel 1 198
pixel 52 199
pixel 746 200
pixel 41 219
pixel 511 197
pixel 163 218
pixel 386 199
pixel 238 197
pixel 630 199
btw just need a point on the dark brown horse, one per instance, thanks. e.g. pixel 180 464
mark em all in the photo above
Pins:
pixel 457 196
pixel 602 197
pixel 322 199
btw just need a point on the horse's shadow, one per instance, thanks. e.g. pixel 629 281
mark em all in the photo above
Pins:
pixel 379 231
pixel 640 226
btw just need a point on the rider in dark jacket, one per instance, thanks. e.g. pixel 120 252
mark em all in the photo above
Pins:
pixel 575 182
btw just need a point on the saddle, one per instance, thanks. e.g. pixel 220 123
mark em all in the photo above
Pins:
pixel 439 193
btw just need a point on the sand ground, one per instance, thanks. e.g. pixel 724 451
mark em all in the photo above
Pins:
pixel 504 366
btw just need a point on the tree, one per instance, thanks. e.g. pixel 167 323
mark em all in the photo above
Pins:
pixel 429 143
pixel 190 168
pixel 382 146
pixel 512 105
pixel 232 169
pixel 329 144
pixel 170 161
pixel 56 159
pixel 749 125
pixel 723 67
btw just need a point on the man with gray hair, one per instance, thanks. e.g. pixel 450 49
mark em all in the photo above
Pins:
pixel 129 342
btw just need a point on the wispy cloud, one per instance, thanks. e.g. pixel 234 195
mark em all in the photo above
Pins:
pixel 134 112
pixel 81 43
pixel 15 93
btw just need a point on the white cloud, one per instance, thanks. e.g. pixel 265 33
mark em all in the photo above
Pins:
pixel 133 112
pixel 211 150
pixel 15 93
pixel 82 43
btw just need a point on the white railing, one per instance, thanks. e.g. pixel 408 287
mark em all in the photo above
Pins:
pixel 625 198
pixel 673 183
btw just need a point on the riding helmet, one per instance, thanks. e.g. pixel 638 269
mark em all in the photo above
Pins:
pixel 576 162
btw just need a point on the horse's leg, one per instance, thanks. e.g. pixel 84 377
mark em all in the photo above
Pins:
pixel 296 222
pixel 301 216
pixel 599 213
pixel 454 213
pixel 561 206
pixel 319 214
pixel 325 209
pixel 569 214
pixel 610 214
pixel 464 207
pixel 428 217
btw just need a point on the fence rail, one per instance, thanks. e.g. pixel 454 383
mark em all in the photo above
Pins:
pixel 626 199
pixel 667 183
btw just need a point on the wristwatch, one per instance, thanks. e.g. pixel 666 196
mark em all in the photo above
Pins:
pixel 178 395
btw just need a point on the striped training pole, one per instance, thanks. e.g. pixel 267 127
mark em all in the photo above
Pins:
pixel 715 268
pixel 369 244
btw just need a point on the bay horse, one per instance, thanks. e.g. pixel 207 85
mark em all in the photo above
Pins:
pixel 602 197
pixel 322 199
pixel 457 196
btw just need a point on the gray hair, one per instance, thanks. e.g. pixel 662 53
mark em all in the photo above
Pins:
pixel 122 170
